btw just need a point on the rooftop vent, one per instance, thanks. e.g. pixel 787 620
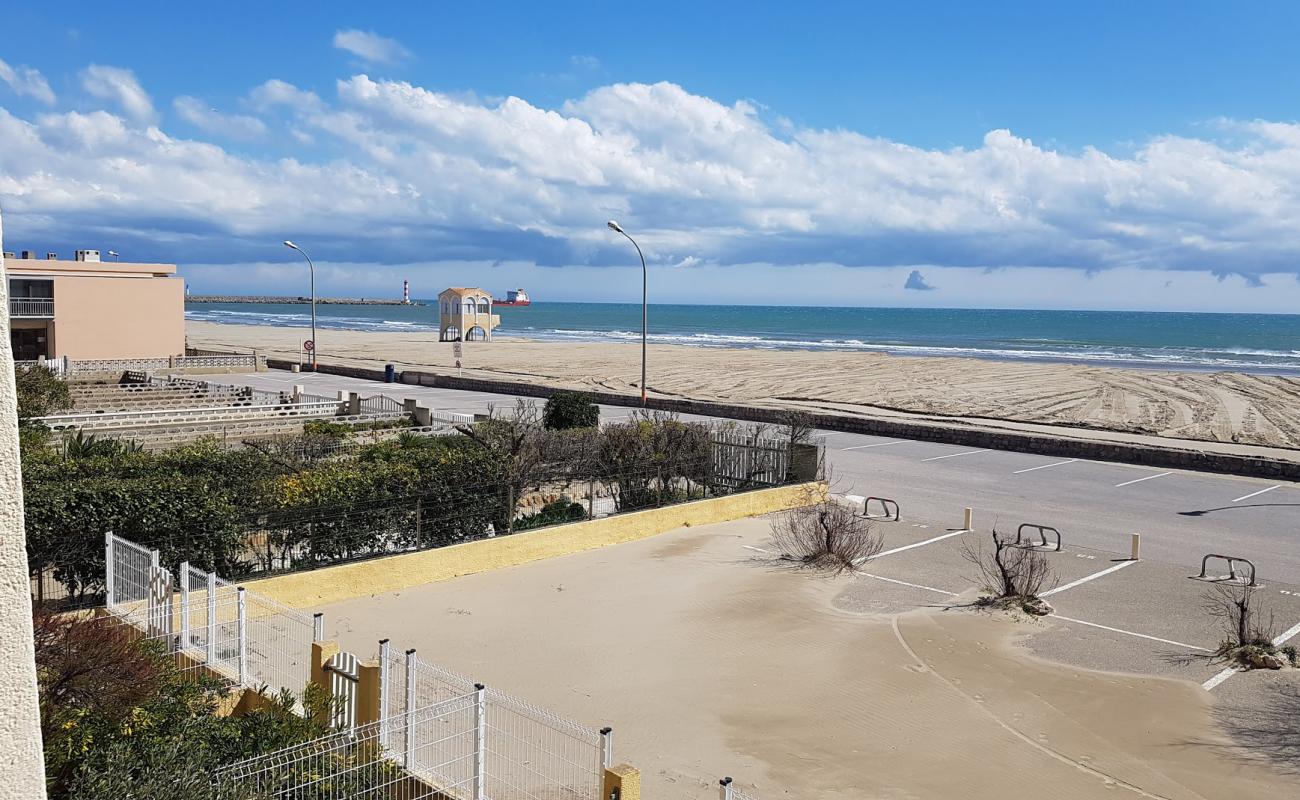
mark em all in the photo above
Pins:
pixel 51 256
pixel 87 255
pixel 28 254
pixel 8 254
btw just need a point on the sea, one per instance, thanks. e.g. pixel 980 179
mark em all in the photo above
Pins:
pixel 1256 343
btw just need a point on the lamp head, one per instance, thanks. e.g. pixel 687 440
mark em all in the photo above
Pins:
pixel 613 226
pixel 290 244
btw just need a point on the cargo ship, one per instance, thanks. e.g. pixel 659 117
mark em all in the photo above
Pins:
pixel 515 297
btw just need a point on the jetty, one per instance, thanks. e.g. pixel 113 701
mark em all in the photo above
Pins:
pixel 271 299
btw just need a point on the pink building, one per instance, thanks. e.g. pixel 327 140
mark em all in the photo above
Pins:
pixel 92 309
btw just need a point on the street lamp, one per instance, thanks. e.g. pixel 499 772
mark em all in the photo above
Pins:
pixel 614 226
pixel 312 268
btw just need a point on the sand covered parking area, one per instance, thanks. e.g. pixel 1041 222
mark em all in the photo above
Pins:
pixel 709 659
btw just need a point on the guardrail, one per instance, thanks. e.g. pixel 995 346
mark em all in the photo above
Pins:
pixel 1232 568
pixel 31 306
pixel 885 505
pixel 1043 530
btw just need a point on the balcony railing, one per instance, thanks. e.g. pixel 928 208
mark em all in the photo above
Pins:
pixel 31 306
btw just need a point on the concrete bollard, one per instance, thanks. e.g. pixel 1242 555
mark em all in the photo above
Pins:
pixel 968 522
pixel 295 368
pixel 1136 554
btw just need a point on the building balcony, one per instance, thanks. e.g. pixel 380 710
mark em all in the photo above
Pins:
pixel 31 307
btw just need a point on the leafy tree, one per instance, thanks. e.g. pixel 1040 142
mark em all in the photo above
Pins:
pixel 40 392
pixel 566 410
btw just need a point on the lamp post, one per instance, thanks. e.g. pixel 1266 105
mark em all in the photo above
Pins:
pixel 312 269
pixel 614 226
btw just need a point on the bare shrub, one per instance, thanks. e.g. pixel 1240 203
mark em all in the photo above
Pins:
pixel 1008 571
pixel 1248 634
pixel 826 535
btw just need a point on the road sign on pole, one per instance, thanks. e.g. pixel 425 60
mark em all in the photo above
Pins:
pixel 309 345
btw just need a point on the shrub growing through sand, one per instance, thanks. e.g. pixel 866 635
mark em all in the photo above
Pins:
pixel 1012 575
pixel 566 410
pixel 827 535
pixel 1249 636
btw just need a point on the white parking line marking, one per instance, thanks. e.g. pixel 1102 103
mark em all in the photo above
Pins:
pixel 1087 578
pixel 1139 480
pixel 1218 679
pixel 831 433
pixel 878 444
pixel 1131 633
pixel 1046 466
pixel 954 455
pixel 1256 494
pixel 756 549
pixel 909 547
pixel 913 585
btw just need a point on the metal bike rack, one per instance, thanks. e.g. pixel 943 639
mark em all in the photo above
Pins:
pixel 1232 569
pixel 885 505
pixel 1043 530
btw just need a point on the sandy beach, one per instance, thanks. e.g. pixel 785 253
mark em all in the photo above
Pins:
pixel 1239 411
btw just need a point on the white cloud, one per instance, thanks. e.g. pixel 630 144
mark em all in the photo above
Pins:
pixel 371 47
pixel 119 86
pixel 203 117
pixel 27 81
pixel 387 171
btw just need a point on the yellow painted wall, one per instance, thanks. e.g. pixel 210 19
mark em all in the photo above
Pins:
pixel 346 581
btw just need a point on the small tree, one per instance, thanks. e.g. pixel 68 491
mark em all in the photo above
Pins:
pixel 566 410
pixel 1010 572
pixel 40 392
pixel 826 535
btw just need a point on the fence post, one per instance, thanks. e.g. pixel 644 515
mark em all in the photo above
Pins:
pixel 480 742
pixel 109 599
pixel 151 604
pixel 408 724
pixel 242 625
pixel 591 499
pixel 419 518
pixel 212 618
pixel 185 604
pixel 726 792
pixel 318 626
pixel 607 747
pixel 385 679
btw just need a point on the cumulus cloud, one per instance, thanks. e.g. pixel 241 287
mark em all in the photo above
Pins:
pixel 371 47
pixel 916 281
pixel 119 86
pixel 205 118
pixel 27 81
pixel 391 171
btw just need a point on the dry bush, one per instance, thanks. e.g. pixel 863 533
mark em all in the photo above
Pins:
pixel 1009 571
pixel 1248 634
pixel 826 535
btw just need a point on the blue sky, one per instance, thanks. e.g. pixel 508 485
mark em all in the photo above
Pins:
pixel 1006 153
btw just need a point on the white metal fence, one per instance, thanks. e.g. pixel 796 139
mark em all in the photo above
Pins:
pixel 522 752
pixel 243 637
pixel 726 791
pixel 432 743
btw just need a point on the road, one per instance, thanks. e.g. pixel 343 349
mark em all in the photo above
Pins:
pixel 1181 515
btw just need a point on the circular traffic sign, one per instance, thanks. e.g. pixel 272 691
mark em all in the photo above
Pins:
pixel 309 345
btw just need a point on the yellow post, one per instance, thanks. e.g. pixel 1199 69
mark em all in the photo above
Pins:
pixel 321 653
pixel 622 782
pixel 367 692
pixel 968 521
pixel 1137 546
